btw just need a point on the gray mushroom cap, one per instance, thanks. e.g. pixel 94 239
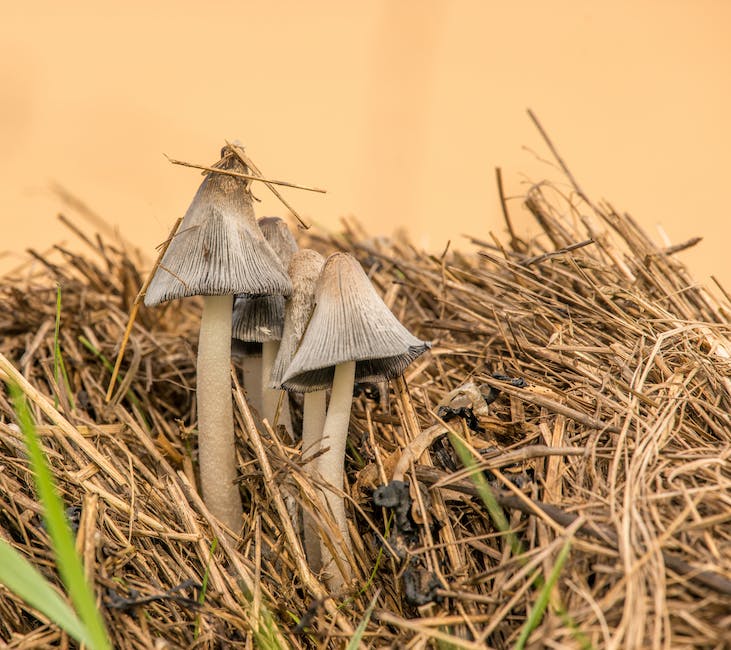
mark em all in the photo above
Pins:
pixel 350 322
pixel 219 248
pixel 304 269
pixel 280 238
pixel 258 319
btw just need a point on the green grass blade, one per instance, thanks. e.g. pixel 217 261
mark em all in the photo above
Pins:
pixel 488 498
pixel 204 586
pixel 25 581
pixel 360 630
pixel 544 596
pixel 68 561
pixel 501 523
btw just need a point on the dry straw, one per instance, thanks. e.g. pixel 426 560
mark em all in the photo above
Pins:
pixel 618 437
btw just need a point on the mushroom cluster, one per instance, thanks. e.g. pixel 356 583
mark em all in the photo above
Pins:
pixel 321 326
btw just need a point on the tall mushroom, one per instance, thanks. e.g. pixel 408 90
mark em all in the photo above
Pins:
pixel 258 321
pixel 218 252
pixel 352 336
pixel 304 269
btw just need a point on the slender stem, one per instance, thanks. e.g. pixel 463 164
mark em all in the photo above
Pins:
pixel 216 452
pixel 270 396
pixel 251 370
pixel 313 421
pixel 331 466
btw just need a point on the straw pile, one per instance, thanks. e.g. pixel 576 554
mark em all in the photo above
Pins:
pixel 610 429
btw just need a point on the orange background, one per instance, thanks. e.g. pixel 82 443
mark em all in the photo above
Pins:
pixel 401 109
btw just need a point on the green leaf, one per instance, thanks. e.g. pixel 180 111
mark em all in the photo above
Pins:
pixel 62 540
pixel 25 581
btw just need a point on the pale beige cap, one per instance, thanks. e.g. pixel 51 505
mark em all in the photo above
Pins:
pixel 304 270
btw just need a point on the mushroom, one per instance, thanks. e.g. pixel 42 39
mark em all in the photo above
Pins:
pixel 258 320
pixel 218 252
pixel 304 269
pixel 352 336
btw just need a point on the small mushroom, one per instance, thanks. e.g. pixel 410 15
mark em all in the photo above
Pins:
pixel 218 252
pixel 258 320
pixel 352 336
pixel 304 269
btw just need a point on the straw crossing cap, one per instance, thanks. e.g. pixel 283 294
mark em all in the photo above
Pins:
pixel 219 248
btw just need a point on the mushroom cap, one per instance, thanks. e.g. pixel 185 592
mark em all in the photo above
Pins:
pixel 219 248
pixel 280 238
pixel 304 269
pixel 350 322
pixel 259 319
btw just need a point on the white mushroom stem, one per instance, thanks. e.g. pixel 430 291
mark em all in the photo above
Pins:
pixel 270 396
pixel 216 452
pixel 251 368
pixel 331 466
pixel 313 421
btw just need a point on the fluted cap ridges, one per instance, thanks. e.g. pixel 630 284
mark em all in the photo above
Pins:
pixel 350 322
pixel 304 270
pixel 219 248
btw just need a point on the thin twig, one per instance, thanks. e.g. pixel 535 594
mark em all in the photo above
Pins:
pixel 561 251
pixel 558 158
pixel 248 177
pixel 135 308
pixel 250 164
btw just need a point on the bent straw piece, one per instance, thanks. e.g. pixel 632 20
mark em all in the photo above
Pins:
pixel 249 177
pixel 250 164
pixel 414 449
pixel 552 405
pixel 14 375
pixel 136 307
pixel 123 505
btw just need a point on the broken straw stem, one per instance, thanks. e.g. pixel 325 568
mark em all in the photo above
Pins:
pixel 239 151
pixel 135 308
pixel 250 177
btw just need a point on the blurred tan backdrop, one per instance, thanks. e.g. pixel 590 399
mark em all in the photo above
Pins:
pixel 401 109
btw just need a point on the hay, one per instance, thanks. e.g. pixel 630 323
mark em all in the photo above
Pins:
pixel 618 438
